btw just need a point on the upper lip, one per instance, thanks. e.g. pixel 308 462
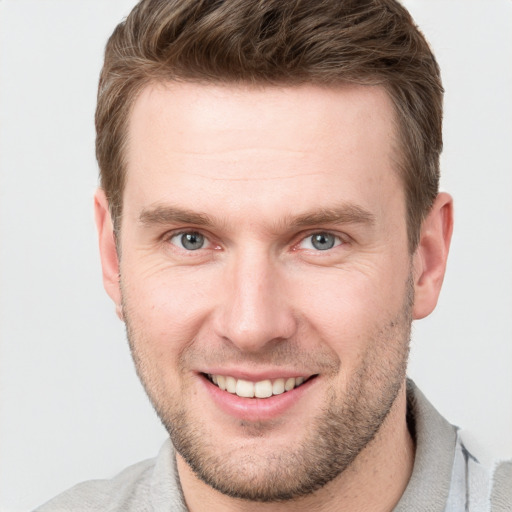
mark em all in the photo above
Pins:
pixel 252 376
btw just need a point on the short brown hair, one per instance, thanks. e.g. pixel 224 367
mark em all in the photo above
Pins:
pixel 277 42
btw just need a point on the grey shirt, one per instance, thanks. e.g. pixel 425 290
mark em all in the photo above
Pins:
pixel 446 477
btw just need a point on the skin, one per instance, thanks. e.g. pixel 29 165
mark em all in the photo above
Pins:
pixel 264 166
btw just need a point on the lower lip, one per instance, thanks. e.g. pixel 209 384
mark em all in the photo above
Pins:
pixel 256 409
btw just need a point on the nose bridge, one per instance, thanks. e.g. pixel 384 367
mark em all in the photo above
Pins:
pixel 255 310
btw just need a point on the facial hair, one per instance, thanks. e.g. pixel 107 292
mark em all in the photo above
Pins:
pixel 348 422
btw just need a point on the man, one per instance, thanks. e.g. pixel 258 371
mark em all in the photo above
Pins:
pixel 270 224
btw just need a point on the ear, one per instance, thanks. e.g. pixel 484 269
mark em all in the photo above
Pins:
pixel 431 255
pixel 108 250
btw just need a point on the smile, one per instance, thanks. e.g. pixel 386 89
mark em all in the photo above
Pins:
pixel 261 389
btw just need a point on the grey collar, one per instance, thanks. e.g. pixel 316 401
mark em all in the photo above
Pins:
pixel 435 439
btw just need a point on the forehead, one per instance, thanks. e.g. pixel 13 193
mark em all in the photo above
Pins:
pixel 306 115
pixel 253 143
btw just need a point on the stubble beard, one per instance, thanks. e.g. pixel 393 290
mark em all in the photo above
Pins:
pixel 347 423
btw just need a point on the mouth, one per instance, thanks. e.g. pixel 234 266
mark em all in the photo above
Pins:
pixel 261 389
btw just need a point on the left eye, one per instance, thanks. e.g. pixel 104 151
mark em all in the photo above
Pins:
pixel 320 241
pixel 190 241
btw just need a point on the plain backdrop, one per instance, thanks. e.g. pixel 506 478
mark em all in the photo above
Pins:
pixel 71 407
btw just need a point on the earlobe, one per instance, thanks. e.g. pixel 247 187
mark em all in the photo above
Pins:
pixel 431 255
pixel 108 249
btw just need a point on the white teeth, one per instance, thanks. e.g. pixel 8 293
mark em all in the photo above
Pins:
pixel 221 381
pixel 245 388
pixel 289 384
pixel 231 384
pixel 278 387
pixel 262 389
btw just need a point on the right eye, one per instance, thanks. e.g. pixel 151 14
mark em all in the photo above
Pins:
pixel 189 241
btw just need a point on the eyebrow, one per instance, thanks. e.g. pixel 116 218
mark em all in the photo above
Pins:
pixel 174 215
pixel 345 214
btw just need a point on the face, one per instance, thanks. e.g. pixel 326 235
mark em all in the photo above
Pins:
pixel 265 277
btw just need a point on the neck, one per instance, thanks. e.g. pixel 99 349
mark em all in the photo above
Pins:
pixel 374 482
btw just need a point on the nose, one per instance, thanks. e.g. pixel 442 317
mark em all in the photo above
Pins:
pixel 253 309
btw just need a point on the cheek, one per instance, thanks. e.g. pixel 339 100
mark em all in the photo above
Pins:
pixel 164 313
pixel 346 309
pixel 167 306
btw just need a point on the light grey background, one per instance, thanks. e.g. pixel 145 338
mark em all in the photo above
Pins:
pixel 71 407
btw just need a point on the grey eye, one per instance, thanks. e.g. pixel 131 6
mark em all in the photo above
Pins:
pixel 323 241
pixel 190 241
